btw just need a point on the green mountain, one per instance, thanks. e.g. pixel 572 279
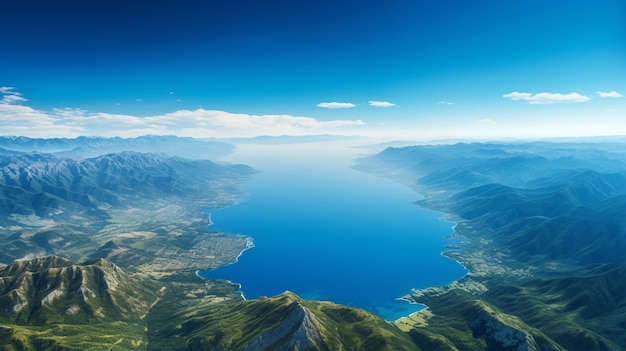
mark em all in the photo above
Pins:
pixel 543 235
pixel 149 205
pixel 53 304
pixel 457 320
pixel 283 322
pixel 45 184
pixel 52 289
pixel 583 310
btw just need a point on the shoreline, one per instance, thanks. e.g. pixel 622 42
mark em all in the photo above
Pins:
pixel 248 245
pixel 448 235
pixel 446 217
pixel 228 281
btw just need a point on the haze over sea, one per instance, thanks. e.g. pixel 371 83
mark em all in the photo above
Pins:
pixel 329 232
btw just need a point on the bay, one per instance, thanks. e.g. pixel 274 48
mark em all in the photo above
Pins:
pixel 326 231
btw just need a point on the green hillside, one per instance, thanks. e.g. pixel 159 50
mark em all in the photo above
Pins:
pixel 53 304
pixel 543 234
pixel 284 322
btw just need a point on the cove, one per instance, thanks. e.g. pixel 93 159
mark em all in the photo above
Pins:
pixel 326 231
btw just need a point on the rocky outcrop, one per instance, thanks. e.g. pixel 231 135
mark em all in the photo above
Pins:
pixel 500 336
pixel 299 331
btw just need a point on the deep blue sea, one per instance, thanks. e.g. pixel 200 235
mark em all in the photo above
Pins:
pixel 326 231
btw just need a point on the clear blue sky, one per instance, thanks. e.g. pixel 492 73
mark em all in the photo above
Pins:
pixel 407 68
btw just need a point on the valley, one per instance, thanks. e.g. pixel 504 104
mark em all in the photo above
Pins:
pixel 102 253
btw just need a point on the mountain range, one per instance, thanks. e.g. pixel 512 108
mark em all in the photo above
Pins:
pixel 543 235
pixel 46 183
pixel 101 244
pixel 137 223
pixel 84 147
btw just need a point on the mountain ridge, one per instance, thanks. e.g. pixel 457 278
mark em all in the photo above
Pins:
pixel 53 289
pixel 85 147
pixel 534 219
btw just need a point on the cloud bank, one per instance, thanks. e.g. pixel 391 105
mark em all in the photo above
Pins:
pixel 19 119
pixel 333 105
pixel 546 98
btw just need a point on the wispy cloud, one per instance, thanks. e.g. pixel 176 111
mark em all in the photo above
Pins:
pixel 609 94
pixel 381 104
pixel 336 105
pixel 446 103
pixel 18 119
pixel 10 96
pixel 546 98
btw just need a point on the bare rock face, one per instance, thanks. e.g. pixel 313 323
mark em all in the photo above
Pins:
pixel 500 336
pixel 299 331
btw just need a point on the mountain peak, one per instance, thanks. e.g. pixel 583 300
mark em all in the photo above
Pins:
pixel 38 291
pixel 299 329
pixel 288 297
pixel 34 265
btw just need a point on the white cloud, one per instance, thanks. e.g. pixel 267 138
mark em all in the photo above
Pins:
pixel 11 99
pixel 609 94
pixel 381 104
pixel 7 90
pixel 336 105
pixel 446 103
pixel 17 119
pixel 9 96
pixel 546 98
pixel 26 121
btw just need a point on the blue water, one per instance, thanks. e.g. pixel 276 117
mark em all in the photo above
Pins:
pixel 328 232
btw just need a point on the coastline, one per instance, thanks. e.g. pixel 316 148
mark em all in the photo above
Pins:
pixel 446 217
pixel 229 282
pixel 249 245
pixel 438 237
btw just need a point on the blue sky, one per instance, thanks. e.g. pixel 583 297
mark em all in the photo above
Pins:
pixel 405 68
